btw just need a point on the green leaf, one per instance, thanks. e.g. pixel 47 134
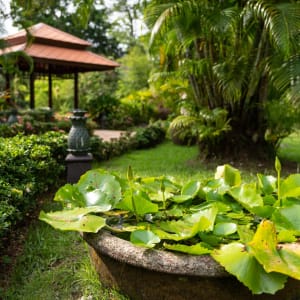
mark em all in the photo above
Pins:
pixel 225 228
pixel 286 236
pixel 190 225
pixel 287 217
pixel 77 219
pixel 99 188
pixel 197 249
pixel 247 195
pixel 144 238
pixel 263 211
pixel 142 202
pixel 283 258
pixel 191 188
pixel 181 198
pixel 231 175
pixel 238 262
pixel 70 196
pixel 267 184
pixel 290 187
pixel 245 233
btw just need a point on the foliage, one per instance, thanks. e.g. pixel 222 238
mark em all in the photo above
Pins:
pixel 281 117
pixel 236 55
pixel 241 225
pixel 85 19
pixel 142 138
pixel 41 158
pixel 127 20
pixel 134 71
pixel 207 127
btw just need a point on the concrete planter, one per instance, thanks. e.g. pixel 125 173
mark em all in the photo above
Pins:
pixel 144 274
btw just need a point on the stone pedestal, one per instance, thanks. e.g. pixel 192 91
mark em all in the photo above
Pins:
pixel 77 165
pixel 79 160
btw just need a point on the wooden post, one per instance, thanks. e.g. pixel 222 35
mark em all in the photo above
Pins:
pixel 32 90
pixel 50 102
pixel 76 101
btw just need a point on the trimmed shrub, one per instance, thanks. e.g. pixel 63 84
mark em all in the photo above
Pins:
pixel 29 166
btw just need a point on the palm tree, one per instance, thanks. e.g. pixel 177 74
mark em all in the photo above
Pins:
pixel 238 55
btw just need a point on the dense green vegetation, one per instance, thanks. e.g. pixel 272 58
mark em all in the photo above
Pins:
pixel 45 248
pixel 241 225
pixel 224 74
pixel 29 167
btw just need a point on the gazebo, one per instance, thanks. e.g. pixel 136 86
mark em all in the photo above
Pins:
pixel 54 52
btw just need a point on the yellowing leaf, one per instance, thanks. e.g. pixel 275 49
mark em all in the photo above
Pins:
pixel 238 262
pixel 282 258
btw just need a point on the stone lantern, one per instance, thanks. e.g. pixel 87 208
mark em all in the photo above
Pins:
pixel 78 159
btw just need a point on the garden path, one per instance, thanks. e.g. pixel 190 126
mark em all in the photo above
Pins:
pixel 107 135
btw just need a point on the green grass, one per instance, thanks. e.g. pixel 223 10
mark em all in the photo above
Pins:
pixel 165 159
pixel 56 265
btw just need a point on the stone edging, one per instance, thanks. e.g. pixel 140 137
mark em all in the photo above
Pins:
pixel 156 260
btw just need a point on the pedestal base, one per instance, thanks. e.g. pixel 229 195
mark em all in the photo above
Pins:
pixel 77 165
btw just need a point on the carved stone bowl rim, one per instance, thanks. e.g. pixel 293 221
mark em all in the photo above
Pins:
pixel 104 243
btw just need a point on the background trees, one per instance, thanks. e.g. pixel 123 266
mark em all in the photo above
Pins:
pixel 239 56
pixel 231 68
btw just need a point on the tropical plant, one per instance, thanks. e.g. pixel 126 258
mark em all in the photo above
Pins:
pixel 236 55
pixel 243 226
pixel 207 127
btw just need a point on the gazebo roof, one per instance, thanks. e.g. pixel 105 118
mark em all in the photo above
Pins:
pixel 51 48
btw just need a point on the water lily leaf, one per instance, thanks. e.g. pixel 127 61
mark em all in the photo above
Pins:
pixel 211 239
pixel 142 202
pixel 190 225
pixel 99 188
pixel 263 211
pixel 144 238
pixel 163 235
pixel 159 196
pixel 231 175
pixel 287 217
pixel 181 198
pixel 191 188
pixel 283 258
pixel 237 261
pixel 197 249
pixel 225 228
pixel 286 236
pixel 247 195
pixel 269 200
pixel 267 184
pixel 245 233
pixel 290 187
pixel 77 219
pixel 70 196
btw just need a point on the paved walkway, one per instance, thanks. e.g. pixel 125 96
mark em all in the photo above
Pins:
pixel 107 135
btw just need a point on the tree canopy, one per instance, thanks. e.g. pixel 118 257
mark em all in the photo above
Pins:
pixel 89 21
pixel 238 56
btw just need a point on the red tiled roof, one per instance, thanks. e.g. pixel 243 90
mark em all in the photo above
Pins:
pixel 54 47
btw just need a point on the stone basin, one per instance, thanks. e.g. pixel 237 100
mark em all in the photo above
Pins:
pixel 144 274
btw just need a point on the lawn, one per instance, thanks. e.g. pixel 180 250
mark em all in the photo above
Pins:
pixel 55 265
